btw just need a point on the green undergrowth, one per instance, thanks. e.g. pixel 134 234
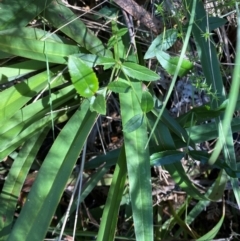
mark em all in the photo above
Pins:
pixel 59 80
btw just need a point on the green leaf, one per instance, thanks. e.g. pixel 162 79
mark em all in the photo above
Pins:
pixel 13 98
pixel 119 86
pixel 83 77
pixel 161 43
pixel 98 104
pixel 110 158
pixel 216 22
pixel 15 180
pixel 214 231
pixel 166 157
pixel 87 188
pixel 37 49
pixel 139 72
pixel 198 115
pixel 116 37
pixel 92 60
pixel 27 133
pixel 51 180
pixel 63 18
pixel 31 113
pixel 170 63
pixel 138 166
pixel 109 218
pixel 20 13
pixel 134 123
pixel 221 164
pixel 15 71
pixel 179 175
pixel 147 102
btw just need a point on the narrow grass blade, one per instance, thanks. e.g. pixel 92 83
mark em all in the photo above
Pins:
pixel 24 117
pixel 37 49
pixel 63 18
pixel 109 219
pixel 15 71
pixel 110 158
pixel 52 177
pixel 15 179
pixel 180 177
pixel 13 98
pixel 86 189
pixel 12 144
pixel 138 165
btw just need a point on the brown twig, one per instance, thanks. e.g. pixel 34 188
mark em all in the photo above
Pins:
pixel 139 13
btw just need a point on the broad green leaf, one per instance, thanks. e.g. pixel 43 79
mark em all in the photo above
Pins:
pixel 119 86
pixel 109 218
pixel 20 13
pixel 170 63
pixel 27 133
pixel 134 123
pixel 216 193
pixel 146 102
pixel 138 166
pixel 15 179
pixel 37 49
pixel 166 157
pixel 139 72
pixel 15 71
pixel 51 180
pixel 83 77
pixel 216 22
pixel 62 18
pixel 13 98
pixel 98 104
pixel 27 115
pixel 161 43
pixel 36 34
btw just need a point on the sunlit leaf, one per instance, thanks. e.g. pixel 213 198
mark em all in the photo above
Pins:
pixel 139 72
pixel 62 17
pixel 83 77
pixel 37 49
pixel 119 86
pixel 48 188
pixel 162 42
pixel 117 35
pixel 170 63
pixel 98 104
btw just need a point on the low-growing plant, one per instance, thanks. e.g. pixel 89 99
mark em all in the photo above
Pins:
pixel 57 78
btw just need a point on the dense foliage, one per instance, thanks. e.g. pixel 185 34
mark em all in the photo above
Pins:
pixel 116 132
